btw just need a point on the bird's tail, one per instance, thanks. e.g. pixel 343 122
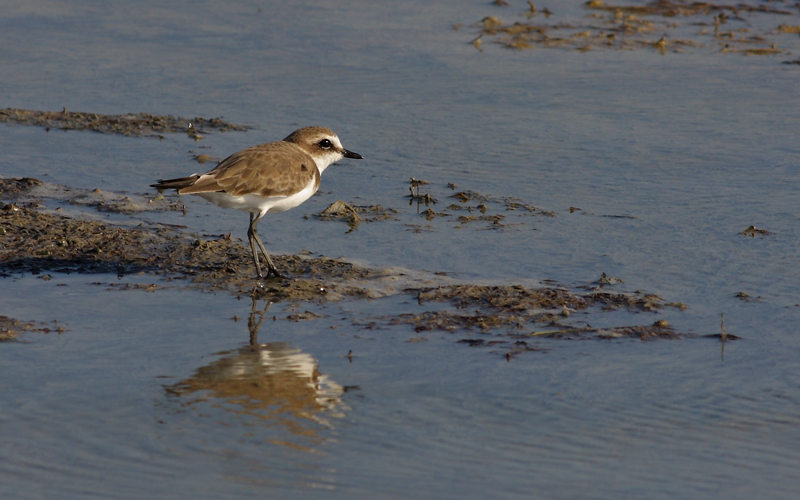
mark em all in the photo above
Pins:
pixel 180 183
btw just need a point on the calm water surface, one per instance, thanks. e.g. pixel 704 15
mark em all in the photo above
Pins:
pixel 164 395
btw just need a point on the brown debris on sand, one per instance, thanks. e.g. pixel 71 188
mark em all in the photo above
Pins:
pixel 354 215
pixel 28 192
pixel 12 189
pixel 478 207
pixel 511 308
pixel 131 124
pixel 656 25
pixel 10 328
pixel 753 231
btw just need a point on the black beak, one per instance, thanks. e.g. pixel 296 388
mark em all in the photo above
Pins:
pixel 350 154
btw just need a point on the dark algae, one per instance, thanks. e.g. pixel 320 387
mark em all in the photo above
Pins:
pixel 131 124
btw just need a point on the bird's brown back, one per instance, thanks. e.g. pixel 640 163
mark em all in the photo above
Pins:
pixel 273 169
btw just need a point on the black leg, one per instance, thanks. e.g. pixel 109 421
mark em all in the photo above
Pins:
pixel 252 235
pixel 251 240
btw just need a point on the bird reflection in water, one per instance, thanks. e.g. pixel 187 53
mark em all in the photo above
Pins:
pixel 274 382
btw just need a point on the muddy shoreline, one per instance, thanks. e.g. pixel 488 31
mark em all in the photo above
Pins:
pixel 36 241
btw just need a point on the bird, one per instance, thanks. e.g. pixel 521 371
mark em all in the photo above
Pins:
pixel 266 178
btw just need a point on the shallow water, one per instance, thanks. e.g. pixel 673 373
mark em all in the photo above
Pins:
pixel 695 147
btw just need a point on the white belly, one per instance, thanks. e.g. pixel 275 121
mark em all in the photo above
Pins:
pixel 256 204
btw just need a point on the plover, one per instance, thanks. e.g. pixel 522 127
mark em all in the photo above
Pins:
pixel 271 177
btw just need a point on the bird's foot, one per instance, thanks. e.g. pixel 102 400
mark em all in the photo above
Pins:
pixel 272 273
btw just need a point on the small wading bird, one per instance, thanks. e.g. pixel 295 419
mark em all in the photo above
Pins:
pixel 267 178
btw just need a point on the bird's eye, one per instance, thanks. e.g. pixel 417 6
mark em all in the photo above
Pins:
pixel 325 144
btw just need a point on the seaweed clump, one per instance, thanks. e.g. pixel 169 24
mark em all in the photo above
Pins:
pixel 514 308
pixel 354 215
pixel 657 25
pixel 130 124
pixel 10 328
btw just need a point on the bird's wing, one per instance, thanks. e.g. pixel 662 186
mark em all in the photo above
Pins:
pixel 274 169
